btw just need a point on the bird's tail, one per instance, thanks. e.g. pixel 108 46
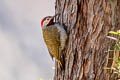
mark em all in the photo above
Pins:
pixel 59 63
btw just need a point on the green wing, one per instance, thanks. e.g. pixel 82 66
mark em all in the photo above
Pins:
pixel 52 40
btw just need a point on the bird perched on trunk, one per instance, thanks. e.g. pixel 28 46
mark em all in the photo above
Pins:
pixel 54 36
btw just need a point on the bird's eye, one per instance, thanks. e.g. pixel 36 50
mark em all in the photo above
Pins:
pixel 47 18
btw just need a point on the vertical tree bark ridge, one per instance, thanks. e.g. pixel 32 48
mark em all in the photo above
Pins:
pixel 117 16
pixel 87 23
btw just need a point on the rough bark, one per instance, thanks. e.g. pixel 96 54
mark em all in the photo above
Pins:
pixel 87 23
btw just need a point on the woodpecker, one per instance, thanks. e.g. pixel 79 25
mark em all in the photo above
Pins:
pixel 54 36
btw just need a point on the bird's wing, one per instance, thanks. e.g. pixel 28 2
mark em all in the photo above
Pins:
pixel 52 40
pixel 50 54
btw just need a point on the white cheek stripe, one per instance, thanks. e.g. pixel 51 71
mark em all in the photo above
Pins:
pixel 46 22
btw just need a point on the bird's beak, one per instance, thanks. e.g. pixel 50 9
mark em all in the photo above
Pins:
pixel 56 15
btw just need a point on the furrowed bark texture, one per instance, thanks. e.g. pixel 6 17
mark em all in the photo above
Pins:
pixel 87 23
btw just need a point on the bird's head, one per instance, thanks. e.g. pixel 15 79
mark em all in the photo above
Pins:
pixel 49 20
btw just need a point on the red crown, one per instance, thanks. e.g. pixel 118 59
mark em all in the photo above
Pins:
pixel 42 22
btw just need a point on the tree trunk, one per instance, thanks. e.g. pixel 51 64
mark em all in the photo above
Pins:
pixel 87 23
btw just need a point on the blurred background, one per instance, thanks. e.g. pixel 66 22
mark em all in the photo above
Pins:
pixel 23 53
